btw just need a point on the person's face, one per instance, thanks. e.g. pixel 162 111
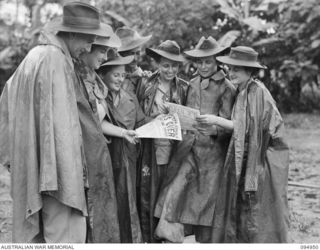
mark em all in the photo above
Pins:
pixel 80 43
pixel 136 52
pixel 95 57
pixel 238 75
pixel 167 69
pixel 206 66
pixel 115 77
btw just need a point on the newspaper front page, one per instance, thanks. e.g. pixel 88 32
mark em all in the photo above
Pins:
pixel 166 126
pixel 187 116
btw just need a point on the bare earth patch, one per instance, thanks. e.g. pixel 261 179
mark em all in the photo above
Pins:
pixel 303 134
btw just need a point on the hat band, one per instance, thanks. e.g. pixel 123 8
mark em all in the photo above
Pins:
pixel 81 22
pixel 243 56
pixel 170 51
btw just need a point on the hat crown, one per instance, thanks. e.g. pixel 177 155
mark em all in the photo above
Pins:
pixel 126 33
pixel 81 15
pixel 244 53
pixel 207 43
pixel 112 54
pixel 128 36
pixel 169 46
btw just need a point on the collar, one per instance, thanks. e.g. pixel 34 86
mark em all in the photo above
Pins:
pixel 51 39
pixel 153 83
pixel 173 85
pixel 218 76
pixel 245 86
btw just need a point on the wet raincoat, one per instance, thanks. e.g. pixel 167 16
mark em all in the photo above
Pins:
pixel 133 80
pixel 101 195
pixel 124 161
pixel 42 139
pixel 190 192
pixel 40 136
pixel 252 204
pixel 148 177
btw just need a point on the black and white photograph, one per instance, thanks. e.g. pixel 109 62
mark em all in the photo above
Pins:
pixel 159 122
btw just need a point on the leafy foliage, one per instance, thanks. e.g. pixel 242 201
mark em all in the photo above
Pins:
pixel 279 29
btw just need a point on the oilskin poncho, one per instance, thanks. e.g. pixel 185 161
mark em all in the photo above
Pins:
pixel 252 206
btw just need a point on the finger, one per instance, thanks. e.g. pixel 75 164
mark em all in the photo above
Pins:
pixel 201 119
pixel 132 133
pixel 202 122
pixel 201 130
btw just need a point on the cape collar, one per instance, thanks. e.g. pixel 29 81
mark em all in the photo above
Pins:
pixel 219 75
pixel 47 38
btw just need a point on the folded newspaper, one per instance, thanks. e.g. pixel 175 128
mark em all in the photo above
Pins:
pixel 187 116
pixel 166 126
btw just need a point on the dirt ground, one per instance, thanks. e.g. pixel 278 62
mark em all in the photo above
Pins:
pixel 303 134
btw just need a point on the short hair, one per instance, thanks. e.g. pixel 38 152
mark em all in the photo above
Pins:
pixel 253 71
pixel 97 46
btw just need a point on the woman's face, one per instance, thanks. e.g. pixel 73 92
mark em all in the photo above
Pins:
pixel 95 57
pixel 206 66
pixel 168 69
pixel 115 77
pixel 136 52
pixel 238 75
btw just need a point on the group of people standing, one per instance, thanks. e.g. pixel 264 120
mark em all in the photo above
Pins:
pixel 79 174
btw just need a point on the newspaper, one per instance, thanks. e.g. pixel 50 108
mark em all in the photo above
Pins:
pixel 187 115
pixel 165 126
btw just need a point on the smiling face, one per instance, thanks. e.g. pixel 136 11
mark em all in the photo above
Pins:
pixel 114 77
pixel 95 58
pixel 80 43
pixel 239 75
pixel 168 69
pixel 207 66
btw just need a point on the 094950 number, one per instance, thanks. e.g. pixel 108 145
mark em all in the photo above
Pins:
pixel 309 247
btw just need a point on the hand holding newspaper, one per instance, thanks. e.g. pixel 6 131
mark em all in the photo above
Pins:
pixel 165 126
pixel 187 116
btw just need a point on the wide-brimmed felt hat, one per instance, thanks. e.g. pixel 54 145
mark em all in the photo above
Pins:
pixel 111 39
pixel 242 56
pixel 78 17
pixel 130 39
pixel 113 58
pixel 168 49
pixel 206 47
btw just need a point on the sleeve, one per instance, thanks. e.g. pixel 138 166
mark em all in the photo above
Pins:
pixel 58 122
pixel 266 140
pixel 141 118
pixel 4 128
pixel 277 147
pixel 227 101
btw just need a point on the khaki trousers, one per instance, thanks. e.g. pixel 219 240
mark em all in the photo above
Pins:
pixel 60 223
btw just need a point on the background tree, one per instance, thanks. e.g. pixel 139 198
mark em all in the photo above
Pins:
pixel 279 29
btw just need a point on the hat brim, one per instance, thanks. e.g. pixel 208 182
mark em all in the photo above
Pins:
pixel 155 53
pixel 57 25
pixel 136 43
pixel 236 62
pixel 288 67
pixel 113 41
pixel 121 60
pixel 197 53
